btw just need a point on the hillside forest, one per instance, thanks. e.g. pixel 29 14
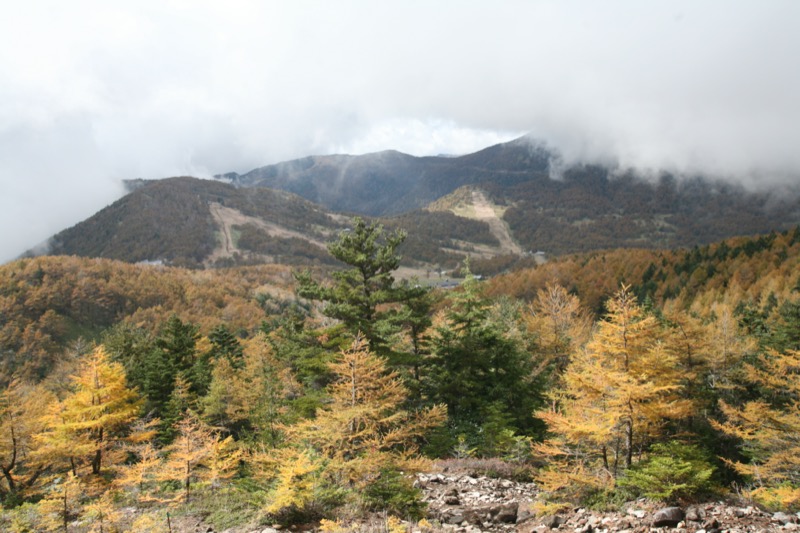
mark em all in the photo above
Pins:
pixel 134 395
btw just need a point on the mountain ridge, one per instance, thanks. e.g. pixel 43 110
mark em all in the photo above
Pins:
pixel 191 222
pixel 390 182
pixel 589 207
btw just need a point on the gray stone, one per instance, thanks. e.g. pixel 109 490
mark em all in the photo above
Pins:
pixel 451 500
pixel 783 518
pixel 668 517
pixel 475 515
pixel 522 516
pixel 695 514
pixel 507 513
pixel 553 521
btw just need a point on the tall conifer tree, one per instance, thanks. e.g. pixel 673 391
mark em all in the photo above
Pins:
pixel 617 395
pixel 89 421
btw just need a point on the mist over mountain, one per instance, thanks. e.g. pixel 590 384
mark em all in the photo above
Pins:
pixel 390 182
pixel 548 203
pixel 510 199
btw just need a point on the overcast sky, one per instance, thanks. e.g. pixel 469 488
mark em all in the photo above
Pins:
pixel 95 92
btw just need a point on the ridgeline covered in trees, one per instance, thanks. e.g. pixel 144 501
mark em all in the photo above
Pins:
pixel 266 396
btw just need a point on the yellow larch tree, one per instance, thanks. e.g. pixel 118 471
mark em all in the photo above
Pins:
pixel 54 444
pixel 360 432
pixel 101 514
pixel 139 476
pixel 199 455
pixel 187 453
pixel 363 428
pixel 768 428
pixel 728 347
pixel 62 505
pixel 223 460
pixel 686 337
pixel 22 410
pixel 616 397
pixel 560 324
pixel 92 419
pixel 297 473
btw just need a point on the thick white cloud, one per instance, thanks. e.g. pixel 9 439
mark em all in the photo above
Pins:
pixel 92 92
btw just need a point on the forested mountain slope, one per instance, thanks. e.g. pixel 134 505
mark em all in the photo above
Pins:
pixel 171 220
pixel 550 206
pixel 745 269
pixel 207 223
pixel 204 223
pixel 48 302
pixel 141 397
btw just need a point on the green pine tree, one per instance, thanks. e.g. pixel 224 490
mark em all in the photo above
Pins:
pixel 480 367
pixel 366 299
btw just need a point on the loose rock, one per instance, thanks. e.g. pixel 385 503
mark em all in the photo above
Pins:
pixel 553 521
pixel 695 514
pixel 783 518
pixel 668 517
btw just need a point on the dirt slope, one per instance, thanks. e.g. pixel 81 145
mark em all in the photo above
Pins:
pixel 486 212
pixel 225 218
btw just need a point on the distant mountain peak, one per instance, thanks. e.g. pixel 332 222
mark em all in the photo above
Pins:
pixel 506 203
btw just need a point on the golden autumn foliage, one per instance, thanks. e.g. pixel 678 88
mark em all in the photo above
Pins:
pixel 139 476
pixel 22 410
pixel 102 515
pixel 363 428
pixel 616 396
pixel 360 432
pixel 48 300
pixel 254 393
pixel 199 454
pixel 692 340
pixel 62 504
pixel 768 428
pixel 297 478
pixel 741 268
pixel 90 421
pixel 559 322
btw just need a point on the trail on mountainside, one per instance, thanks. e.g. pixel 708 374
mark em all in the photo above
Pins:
pixel 485 212
pixel 226 218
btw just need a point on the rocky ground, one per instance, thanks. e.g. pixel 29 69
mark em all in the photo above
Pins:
pixel 464 500
pixel 464 503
